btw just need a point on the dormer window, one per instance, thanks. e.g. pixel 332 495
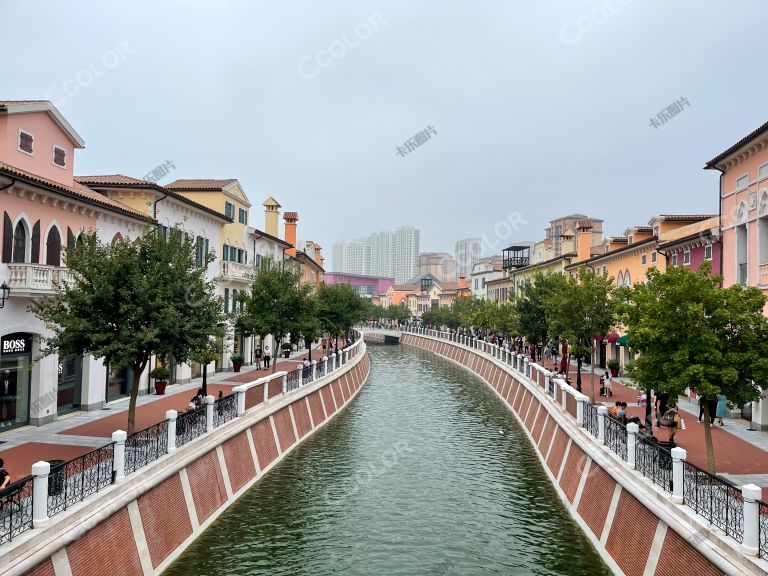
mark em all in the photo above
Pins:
pixel 59 157
pixel 26 142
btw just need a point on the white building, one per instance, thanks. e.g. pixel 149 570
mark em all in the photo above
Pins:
pixel 483 272
pixel 384 254
pixel 467 255
pixel 406 253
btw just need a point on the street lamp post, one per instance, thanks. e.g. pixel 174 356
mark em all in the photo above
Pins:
pixel 5 292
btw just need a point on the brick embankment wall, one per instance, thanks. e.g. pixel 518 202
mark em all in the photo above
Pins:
pixel 154 518
pixel 630 536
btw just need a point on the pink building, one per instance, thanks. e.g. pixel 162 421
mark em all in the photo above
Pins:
pixel 367 286
pixel 44 210
pixel 744 225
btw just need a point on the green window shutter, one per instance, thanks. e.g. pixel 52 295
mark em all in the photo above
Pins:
pixel 207 248
pixel 226 299
pixel 224 254
pixel 234 300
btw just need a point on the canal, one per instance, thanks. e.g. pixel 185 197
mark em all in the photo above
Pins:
pixel 425 473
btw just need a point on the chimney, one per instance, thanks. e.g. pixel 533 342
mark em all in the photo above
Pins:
pixel 583 240
pixel 462 283
pixel 271 214
pixel 318 254
pixel 290 231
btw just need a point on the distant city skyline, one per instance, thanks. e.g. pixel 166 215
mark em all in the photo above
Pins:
pixel 386 253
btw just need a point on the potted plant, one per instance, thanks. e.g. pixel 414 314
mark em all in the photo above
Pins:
pixel 237 362
pixel 161 376
pixel 613 366
pixel 286 347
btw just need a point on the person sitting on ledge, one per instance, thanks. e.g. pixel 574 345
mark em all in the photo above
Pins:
pixel 622 415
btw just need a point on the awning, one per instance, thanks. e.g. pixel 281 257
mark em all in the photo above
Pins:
pixel 622 341
pixel 612 337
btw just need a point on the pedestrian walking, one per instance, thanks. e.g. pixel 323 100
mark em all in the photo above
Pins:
pixel 608 384
pixel 5 477
pixel 671 420
pixel 722 408
pixel 662 400
pixel 258 358
pixel 267 357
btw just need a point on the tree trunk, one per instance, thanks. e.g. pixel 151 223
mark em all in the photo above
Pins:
pixel 648 413
pixel 708 440
pixel 205 379
pixel 578 373
pixel 275 353
pixel 134 394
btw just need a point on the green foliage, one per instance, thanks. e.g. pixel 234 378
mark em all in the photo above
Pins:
pixel 613 364
pixel 161 374
pixel 128 301
pixel 397 312
pixel 340 308
pixel 237 359
pixel 530 306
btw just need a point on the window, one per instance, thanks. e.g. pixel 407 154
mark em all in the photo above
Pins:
pixel 627 281
pixel 19 244
pixel 234 300
pixel 653 257
pixel 229 210
pixel 674 259
pixel 605 270
pixel 53 247
pixel 26 142
pixel 687 257
pixel 643 259
pixel 226 299
pixel 620 280
pixel 742 182
pixel 763 171
pixel 483 286
pixel 708 252
pixel 59 157
pixel 243 216
pixel 199 251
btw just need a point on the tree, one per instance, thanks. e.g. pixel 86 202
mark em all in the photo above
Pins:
pixel 276 303
pixel 691 333
pixel 464 310
pixel 398 312
pixel 309 326
pixel 581 310
pixel 530 306
pixel 128 301
pixel 340 308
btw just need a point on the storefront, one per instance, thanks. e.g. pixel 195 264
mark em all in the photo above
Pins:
pixel 69 390
pixel 118 383
pixel 15 379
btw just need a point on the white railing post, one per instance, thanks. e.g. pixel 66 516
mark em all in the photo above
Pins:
pixel 240 391
pixel 565 395
pixel 751 542
pixel 581 400
pixel 118 462
pixel 266 391
pixel 209 400
pixel 171 416
pixel 285 383
pixel 525 366
pixel 344 356
pixel 40 470
pixel 325 365
pixel 314 369
pixel 678 458
pixel 601 412
pixel 632 430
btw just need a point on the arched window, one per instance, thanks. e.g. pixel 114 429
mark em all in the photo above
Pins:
pixel 627 281
pixel 117 238
pixel 53 247
pixel 20 243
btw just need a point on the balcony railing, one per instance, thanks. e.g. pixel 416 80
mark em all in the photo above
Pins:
pixel 36 278
pixel 235 270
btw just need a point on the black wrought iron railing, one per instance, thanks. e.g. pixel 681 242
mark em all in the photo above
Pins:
pixel 763 528
pixel 653 461
pixel 146 446
pixel 224 410
pixel 306 374
pixel 616 437
pixel 714 498
pixel 320 369
pixel 591 420
pixel 16 509
pixel 190 425
pixel 71 482
pixel 293 379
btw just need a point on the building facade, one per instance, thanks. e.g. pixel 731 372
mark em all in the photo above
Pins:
pixel 440 264
pixel 366 286
pixel 467 254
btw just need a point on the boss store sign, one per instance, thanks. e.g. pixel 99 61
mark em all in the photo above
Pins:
pixel 16 344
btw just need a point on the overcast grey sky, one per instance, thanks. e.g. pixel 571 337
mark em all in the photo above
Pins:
pixel 541 107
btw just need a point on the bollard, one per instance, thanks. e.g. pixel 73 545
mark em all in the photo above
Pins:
pixel 209 400
pixel 118 437
pixel 632 430
pixel 171 416
pixel 678 457
pixel 314 370
pixel 751 542
pixel 601 412
pixel 40 470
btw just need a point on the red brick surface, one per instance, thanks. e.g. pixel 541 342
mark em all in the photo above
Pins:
pixel 504 388
pixel 264 440
pixel 45 568
pixel 679 558
pixel 165 518
pixel 574 468
pixel 315 405
pixel 301 416
pixel 570 405
pixel 338 393
pixel 254 396
pixel 629 541
pixel 239 461
pixel 557 452
pixel 275 387
pixel 545 432
pixel 596 499
pixel 510 395
pixel 522 399
pixel 531 412
pixel 207 484
pixel 284 429
pixel 330 406
pixel 88 554
pixel 537 427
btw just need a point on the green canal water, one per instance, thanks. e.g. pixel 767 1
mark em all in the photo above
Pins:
pixel 425 473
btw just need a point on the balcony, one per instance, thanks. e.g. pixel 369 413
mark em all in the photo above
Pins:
pixel 235 271
pixel 36 279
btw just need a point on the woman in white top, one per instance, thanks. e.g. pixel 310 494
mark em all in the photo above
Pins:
pixel 607 384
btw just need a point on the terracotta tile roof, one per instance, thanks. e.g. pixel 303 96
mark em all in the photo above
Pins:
pixel 201 184
pixel 584 225
pixel 685 217
pixel 77 190
pixel 291 216
pixel 405 287
pixel 121 180
pixel 449 286
pixel 749 137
